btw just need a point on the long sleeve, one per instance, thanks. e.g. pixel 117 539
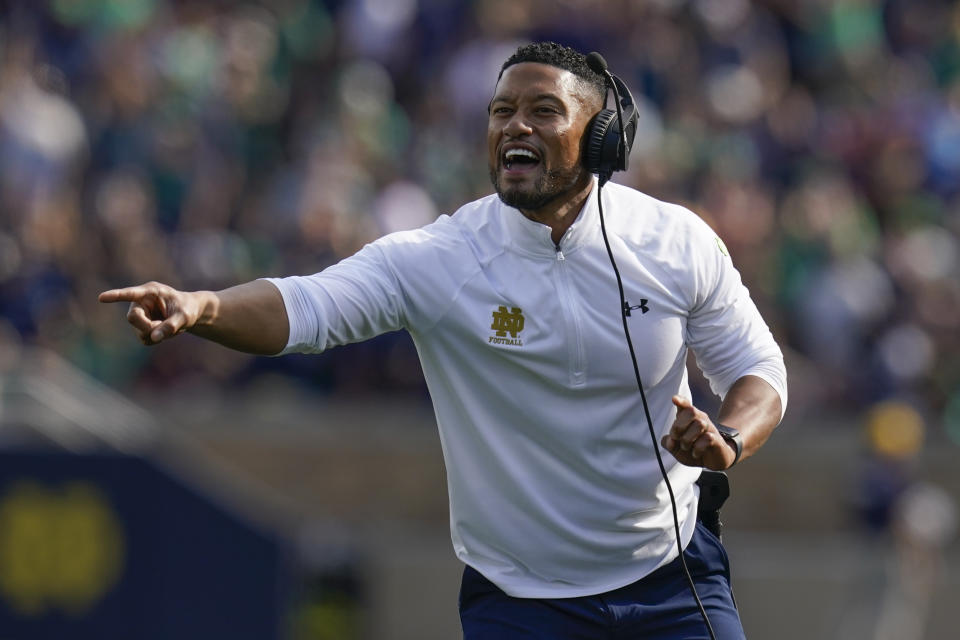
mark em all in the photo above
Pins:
pixel 724 329
pixel 353 300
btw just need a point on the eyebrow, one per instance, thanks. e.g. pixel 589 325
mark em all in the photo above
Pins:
pixel 551 97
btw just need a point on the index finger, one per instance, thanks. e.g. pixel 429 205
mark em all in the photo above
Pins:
pixel 129 294
pixel 685 413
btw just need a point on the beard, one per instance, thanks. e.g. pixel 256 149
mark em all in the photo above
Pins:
pixel 548 187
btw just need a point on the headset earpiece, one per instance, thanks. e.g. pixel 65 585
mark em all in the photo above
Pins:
pixel 598 149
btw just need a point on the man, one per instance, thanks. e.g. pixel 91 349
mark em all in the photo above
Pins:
pixel 557 503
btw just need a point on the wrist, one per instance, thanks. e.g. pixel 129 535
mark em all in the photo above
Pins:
pixel 208 307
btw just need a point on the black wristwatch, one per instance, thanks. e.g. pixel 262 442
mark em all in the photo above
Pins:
pixel 733 436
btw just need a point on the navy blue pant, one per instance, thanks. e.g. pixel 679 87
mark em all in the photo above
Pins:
pixel 657 607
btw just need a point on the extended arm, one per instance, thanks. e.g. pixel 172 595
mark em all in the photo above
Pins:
pixel 249 317
pixel 751 406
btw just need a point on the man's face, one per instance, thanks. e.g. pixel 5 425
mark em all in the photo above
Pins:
pixel 538 117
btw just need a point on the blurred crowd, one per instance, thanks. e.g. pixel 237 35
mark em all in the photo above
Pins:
pixel 203 143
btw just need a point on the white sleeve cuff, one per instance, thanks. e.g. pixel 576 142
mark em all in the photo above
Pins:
pixel 301 316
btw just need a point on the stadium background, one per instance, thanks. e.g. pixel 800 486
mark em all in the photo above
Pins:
pixel 205 143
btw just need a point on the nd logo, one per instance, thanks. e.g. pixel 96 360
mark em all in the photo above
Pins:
pixel 59 548
pixel 505 322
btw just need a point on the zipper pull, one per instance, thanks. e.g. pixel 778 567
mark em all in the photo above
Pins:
pixel 560 256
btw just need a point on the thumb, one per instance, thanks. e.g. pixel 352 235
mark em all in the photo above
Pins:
pixel 681 402
pixel 169 327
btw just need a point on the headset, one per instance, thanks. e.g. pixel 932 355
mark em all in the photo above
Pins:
pixel 607 149
pixel 609 140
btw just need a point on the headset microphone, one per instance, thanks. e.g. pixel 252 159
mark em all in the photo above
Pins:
pixel 607 150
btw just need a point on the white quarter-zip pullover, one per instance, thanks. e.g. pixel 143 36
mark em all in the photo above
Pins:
pixel 553 482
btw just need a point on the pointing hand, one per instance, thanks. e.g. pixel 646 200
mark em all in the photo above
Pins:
pixel 157 311
pixel 694 440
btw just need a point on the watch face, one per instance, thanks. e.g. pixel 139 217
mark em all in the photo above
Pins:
pixel 726 431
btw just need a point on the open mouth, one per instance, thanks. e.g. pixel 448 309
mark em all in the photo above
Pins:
pixel 519 159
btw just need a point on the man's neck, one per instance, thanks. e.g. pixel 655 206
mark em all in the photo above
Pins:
pixel 561 214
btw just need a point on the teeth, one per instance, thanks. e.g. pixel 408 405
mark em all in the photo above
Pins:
pixel 515 153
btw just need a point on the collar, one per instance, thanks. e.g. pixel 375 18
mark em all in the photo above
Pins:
pixel 533 238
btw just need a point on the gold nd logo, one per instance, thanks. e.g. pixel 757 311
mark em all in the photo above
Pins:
pixel 60 548
pixel 505 322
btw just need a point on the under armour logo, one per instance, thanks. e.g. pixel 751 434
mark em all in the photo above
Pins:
pixel 642 306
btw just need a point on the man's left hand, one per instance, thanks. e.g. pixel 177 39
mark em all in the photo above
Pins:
pixel 694 440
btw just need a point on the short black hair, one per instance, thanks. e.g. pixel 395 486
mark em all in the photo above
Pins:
pixel 557 55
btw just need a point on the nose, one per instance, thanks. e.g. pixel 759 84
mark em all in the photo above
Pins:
pixel 517 126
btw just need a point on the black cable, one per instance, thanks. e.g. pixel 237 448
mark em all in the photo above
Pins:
pixel 646 412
